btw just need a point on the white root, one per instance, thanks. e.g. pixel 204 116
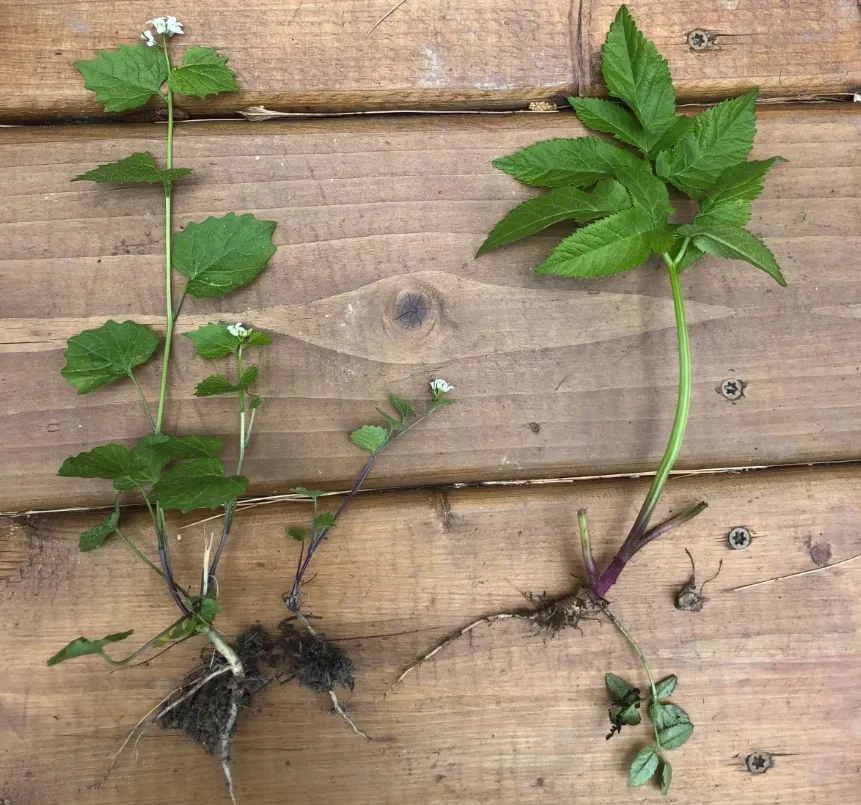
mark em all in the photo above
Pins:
pixel 341 711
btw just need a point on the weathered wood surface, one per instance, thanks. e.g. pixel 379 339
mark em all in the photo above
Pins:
pixel 433 54
pixel 553 377
pixel 499 717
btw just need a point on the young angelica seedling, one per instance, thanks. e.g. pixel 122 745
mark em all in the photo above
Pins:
pixel 618 190
pixel 206 260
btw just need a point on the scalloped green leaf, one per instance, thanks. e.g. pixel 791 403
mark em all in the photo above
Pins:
pixel 125 78
pixel 198 484
pixel 140 167
pixel 369 437
pixel 203 72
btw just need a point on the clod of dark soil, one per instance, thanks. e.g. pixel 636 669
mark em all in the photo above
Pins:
pixel 312 660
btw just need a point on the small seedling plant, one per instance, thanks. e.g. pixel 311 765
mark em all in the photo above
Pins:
pixel 316 662
pixel 172 472
pixel 621 192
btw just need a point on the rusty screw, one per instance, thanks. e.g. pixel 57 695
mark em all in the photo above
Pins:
pixel 739 538
pixel 732 388
pixel 698 39
pixel 759 762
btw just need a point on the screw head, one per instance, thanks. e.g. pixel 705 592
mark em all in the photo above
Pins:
pixel 699 39
pixel 739 538
pixel 732 388
pixel 759 762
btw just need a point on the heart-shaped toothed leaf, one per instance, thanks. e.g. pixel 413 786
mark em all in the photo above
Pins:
pixel 124 78
pixel 106 354
pixel 203 72
pixel 198 484
pixel 369 437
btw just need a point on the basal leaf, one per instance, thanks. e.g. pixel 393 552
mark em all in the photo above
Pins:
pixel 666 686
pixel 95 537
pixel 638 74
pixel 214 341
pixel 612 118
pixel 728 202
pixel 402 407
pixel 643 767
pixel 198 484
pixel 735 243
pixel 203 72
pixel 139 167
pixel 560 204
pixel 666 776
pixel 618 688
pixel 369 437
pixel 124 78
pixel 673 737
pixel 609 246
pixel 299 534
pixel 555 163
pixel 213 385
pixel 109 461
pixel 106 354
pixel 307 493
pixel 721 137
pixel 81 646
pixel 220 255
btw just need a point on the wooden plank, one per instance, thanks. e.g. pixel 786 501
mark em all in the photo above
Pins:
pixel 500 717
pixel 433 54
pixel 554 377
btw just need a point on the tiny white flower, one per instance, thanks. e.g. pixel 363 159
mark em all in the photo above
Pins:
pixel 856 98
pixel 174 27
pixel 159 23
pixel 238 330
pixel 148 38
pixel 439 386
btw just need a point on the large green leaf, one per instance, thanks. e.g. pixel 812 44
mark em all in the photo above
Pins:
pixel 560 204
pixel 666 686
pixel 618 688
pixel 203 72
pixel 612 118
pixel 647 191
pixel 174 448
pixel 735 243
pixel 198 484
pixel 638 74
pixel 215 385
pixel 369 437
pixel 124 78
pixel 108 461
pixel 81 646
pixel 721 137
pixel 214 341
pixel 673 737
pixel 643 767
pixel 555 163
pixel 220 255
pixel 106 354
pixel 728 202
pixel 609 246
pixel 139 167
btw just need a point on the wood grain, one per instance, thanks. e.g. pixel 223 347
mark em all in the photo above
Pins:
pixel 554 377
pixel 500 717
pixel 431 54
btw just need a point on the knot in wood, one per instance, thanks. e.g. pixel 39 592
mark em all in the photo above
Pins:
pixel 412 309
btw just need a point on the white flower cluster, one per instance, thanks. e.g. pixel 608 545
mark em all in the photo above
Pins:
pixel 162 25
pixel 439 386
pixel 238 330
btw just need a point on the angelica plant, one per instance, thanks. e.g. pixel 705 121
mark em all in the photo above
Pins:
pixel 621 191
pixel 211 258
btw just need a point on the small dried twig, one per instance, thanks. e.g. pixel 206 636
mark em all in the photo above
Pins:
pixel 385 16
pixel 341 711
pixel 794 575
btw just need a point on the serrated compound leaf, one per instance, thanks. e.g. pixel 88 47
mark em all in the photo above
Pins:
pixel 299 534
pixel 667 715
pixel 728 202
pixel 220 255
pixel 198 484
pixel 214 385
pixel 402 407
pixel 124 78
pixel 617 687
pixel 673 737
pixel 599 114
pixel 721 136
pixel 647 191
pixel 108 461
pixel 95 537
pixel 139 167
pixel 106 354
pixel 203 72
pixel 638 74
pixel 369 437
pixel 666 686
pixel 630 715
pixel 307 493
pixel 666 776
pixel 736 243
pixel 248 377
pixel 556 163
pixel 214 341
pixel 680 126
pixel 609 246
pixel 81 646
pixel 560 204
pixel 258 339
pixel 325 520
pixel 643 767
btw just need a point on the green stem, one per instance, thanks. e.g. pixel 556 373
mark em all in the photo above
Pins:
pixel 140 555
pixel 144 401
pixel 126 660
pixel 645 663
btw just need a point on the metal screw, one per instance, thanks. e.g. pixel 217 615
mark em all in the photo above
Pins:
pixel 739 538
pixel 698 39
pixel 732 388
pixel 759 762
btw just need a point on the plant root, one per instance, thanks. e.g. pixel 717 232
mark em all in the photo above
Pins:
pixel 548 616
pixel 688 598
